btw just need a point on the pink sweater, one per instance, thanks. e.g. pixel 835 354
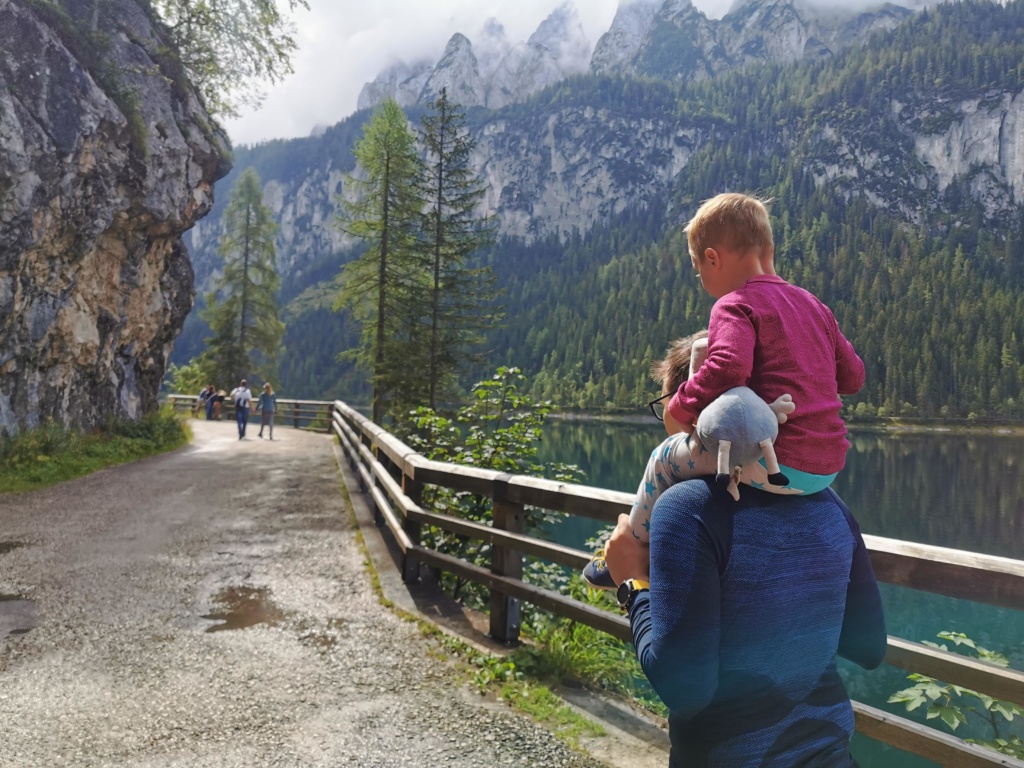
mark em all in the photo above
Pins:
pixel 776 339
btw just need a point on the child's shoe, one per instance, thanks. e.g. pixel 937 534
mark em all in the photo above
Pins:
pixel 596 572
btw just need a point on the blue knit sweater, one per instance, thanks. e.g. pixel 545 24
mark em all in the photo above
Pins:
pixel 750 601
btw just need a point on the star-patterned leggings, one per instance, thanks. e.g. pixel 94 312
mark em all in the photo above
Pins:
pixel 672 462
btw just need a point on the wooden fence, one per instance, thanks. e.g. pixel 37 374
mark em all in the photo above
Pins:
pixel 394 476
pixel 314 415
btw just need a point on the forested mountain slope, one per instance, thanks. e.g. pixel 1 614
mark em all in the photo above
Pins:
pixel 897 174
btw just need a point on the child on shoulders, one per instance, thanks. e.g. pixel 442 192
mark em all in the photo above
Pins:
pixel 758 318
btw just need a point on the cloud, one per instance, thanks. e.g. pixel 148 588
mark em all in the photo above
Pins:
pixel 343 44
pixel 346 43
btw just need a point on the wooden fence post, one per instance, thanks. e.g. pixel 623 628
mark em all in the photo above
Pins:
pixel 378 518
pixel 506 613
pixel 411 564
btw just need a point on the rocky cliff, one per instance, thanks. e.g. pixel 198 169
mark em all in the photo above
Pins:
pixel 554 171
pixel 108 158
pixel 574 158
pixel 556 168
pixel 671 39
pixel 491 72
pixel 664 39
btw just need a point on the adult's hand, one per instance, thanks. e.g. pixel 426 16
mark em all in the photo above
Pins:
pixel 626 557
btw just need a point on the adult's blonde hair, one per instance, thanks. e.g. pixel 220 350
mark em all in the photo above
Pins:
pixel 730 220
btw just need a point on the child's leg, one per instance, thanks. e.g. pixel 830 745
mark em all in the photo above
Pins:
pixel 670 463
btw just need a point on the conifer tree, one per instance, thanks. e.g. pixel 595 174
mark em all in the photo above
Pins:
pixel 380 288
pixel 242 310
pixel 460 297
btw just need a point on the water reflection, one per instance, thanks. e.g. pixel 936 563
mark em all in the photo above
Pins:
pixel 243 607
pixel 946 489
pixel 950 490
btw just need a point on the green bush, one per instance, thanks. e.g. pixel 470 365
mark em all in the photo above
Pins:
pixel 953 704
pixel 499 429
pixel 52 453
pixel 39 444
pixel 162 429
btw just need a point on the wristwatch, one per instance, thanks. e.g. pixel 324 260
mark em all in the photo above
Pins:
pixel 628 590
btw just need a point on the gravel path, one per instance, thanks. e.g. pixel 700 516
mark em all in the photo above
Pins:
pixel 110 586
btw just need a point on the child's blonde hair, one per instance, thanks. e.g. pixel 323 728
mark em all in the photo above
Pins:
pixel 674 368
pixel 730 220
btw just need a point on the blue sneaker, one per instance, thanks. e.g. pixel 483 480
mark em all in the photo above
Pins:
pixel 596 572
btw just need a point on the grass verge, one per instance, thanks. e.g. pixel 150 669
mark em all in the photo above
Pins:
pixel 501 677
pixel 52 454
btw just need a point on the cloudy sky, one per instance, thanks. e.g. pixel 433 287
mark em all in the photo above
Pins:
pixel 345 43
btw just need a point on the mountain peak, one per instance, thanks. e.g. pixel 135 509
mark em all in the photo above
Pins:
pixel 458 72
pixel 562 35
pixel 632 24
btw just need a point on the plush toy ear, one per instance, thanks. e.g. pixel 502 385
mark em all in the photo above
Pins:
pixel 698 354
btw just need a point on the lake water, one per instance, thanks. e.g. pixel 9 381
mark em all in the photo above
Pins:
pixel 947 489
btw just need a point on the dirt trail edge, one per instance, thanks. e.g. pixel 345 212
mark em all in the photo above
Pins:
pixel 210 607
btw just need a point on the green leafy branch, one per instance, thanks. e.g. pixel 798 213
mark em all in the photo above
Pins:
pixel 953 703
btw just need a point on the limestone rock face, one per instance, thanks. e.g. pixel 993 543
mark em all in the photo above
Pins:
pixel 671 39
pixel 108 157
pixel 790 30
pixel 459 72
pixel 563 170
pixel 983 141
pixel 401 82
pixel 491 72
pixel 558 49
pixel 930 143
pixel 618 46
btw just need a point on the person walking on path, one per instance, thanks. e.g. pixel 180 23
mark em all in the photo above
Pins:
pixel 267 406
pixel 242 398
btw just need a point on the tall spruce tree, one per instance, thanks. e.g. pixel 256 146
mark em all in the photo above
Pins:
pixel 460 297
pixel 380 289
pixel 242 310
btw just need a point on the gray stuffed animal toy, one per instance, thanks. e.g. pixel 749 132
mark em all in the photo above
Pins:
pixel 741 428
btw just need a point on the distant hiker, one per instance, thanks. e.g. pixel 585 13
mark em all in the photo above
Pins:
pixel 218 402
pixel 206 401
pixel 242 398
pixel 267 406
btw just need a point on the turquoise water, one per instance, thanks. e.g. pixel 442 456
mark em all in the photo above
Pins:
pixel 964 492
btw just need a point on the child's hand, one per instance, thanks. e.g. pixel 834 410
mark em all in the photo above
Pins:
pixel 625 555
pixel 783 407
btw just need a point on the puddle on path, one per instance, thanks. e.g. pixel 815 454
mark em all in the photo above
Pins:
pixel 10 546
pixel 243 607
pixel 323 639
pixel 17 615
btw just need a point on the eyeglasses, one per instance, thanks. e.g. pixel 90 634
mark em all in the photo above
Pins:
pixel 658 406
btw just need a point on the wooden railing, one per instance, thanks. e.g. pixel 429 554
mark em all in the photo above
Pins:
pixel 313 415
pixel 394 476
